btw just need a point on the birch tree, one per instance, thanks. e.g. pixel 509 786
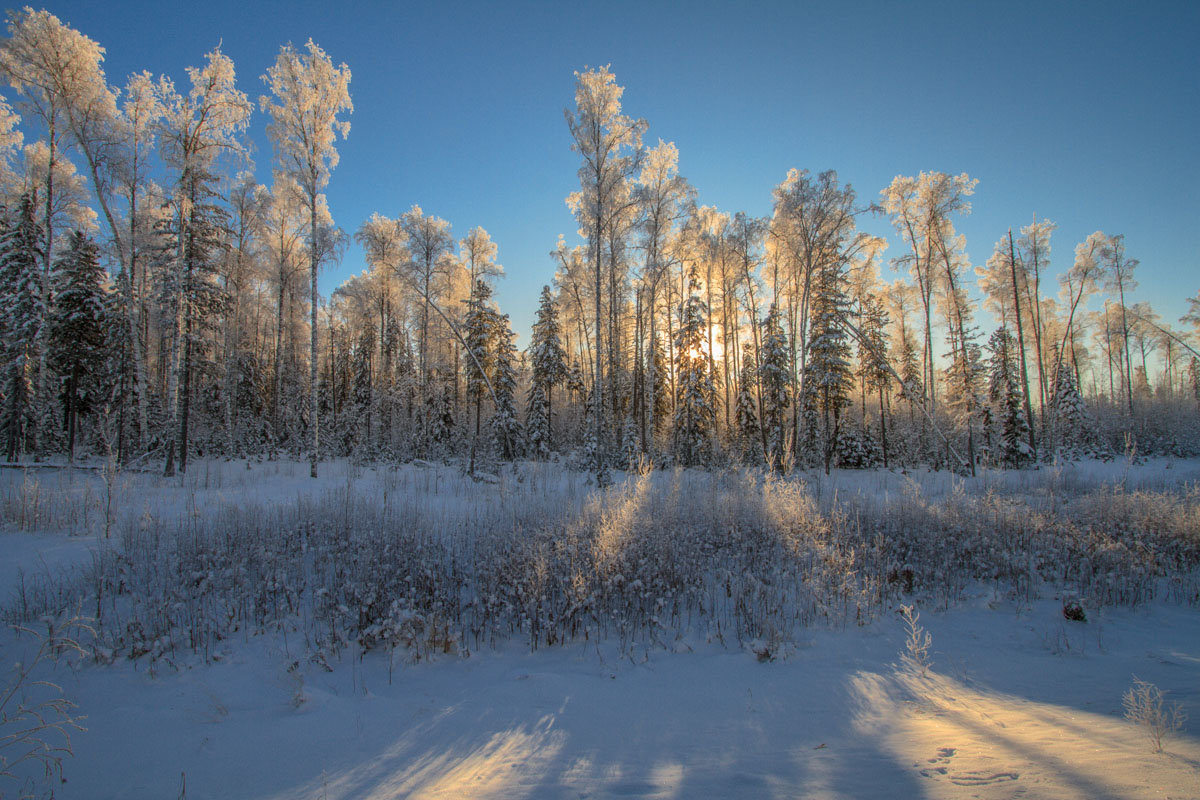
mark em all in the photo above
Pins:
pixel 815 223
pixel 429 245
pixel 11 139
pixel 248 200
pixel 137 130
pixel 477 252
pixel 196 129
pixel 283 224
pixel 609 144
pixel 1118 277
pixel 1034 249
pixel 663 196
pixel 918 206
pixel 1079 283
pixel 310 94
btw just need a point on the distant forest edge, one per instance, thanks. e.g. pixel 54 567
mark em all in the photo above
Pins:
pixel 157 303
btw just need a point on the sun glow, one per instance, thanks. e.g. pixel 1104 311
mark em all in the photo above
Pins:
pixel 713 337
pixel 718 344
pixel 718 347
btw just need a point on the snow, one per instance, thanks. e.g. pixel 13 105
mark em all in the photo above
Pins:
pixel 1000 711
pixel 1019 701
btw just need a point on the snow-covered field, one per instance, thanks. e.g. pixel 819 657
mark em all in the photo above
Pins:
pixel 759 680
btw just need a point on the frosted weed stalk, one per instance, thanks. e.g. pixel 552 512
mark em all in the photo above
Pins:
pixel 36 720
pixel 1146 708
pixel 918 644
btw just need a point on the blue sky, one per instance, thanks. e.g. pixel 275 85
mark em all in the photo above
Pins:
pixel 1083 113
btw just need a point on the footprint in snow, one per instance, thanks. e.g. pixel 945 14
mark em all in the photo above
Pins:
pixel 940 765
pixel 944 754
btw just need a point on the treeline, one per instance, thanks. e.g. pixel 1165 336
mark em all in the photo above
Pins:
pixel 694 335
pixel 159 303
pixel 153 295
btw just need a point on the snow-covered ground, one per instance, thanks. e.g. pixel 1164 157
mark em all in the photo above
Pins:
pixel 1019 701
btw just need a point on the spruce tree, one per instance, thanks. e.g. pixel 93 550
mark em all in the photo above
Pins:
pixel 827 376
pixel 746 411
pixel 537 423
pixel 1006 403
pixel 506 428
pixel 548 359
pixel 1015 429
pixel 77 330
pixel 23 314
pixel 910 374
pixel 592 460
pixel 481 338
pixel 963 376
pixel 876 375
pixel 439 413
pixel 576 385
pixel 406 381
pixel 775 376
pixel 660 375
pixel 694 416
pixel 631 449
pixel 1072 422
pixel 1001 349
pixel 363 394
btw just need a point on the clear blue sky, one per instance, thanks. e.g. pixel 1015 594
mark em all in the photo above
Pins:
pixel 1085 113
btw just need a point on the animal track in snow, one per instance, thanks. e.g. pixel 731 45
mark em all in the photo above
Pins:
pixel 981 778
pixel 940 765
pixel 939 762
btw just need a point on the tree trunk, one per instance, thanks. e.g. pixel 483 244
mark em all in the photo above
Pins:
pixel 725 349
pixel 137 340
pixel 754 336
pixel 72 384
pixel 651 355
pixel 1012 262
pixel 232 359
pixel 173 362
pixel 1125 343
pixel 598 382
pixel 15 409
pixel 186 401
pixel 277 399
pixel 313 372
pixel 124 388
pixel 883 426
pixel 47 261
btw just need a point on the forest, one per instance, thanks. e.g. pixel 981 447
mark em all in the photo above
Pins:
pixel 291 507
pixel 159 304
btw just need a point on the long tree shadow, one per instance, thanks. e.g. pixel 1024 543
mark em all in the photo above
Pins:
pixel 957 737
pixel 1114 643
pixel 685 726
